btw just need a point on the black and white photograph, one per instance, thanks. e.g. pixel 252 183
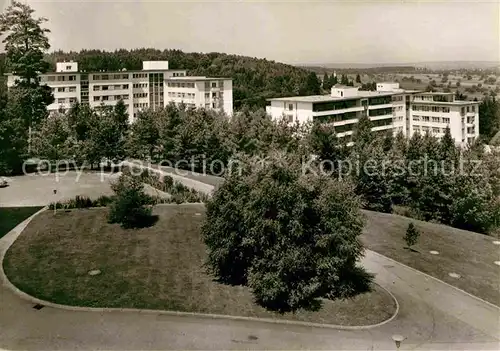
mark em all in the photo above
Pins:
pixel 249 175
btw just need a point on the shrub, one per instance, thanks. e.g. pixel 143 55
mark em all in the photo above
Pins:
pixel 412 235
pixel 129 207
pixel 82 202
pixel 291 238
pixel 168 182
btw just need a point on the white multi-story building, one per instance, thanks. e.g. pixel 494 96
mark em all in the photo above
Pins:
pixel 147 88
pixel 389 108
pixel 209 93
pixel 433 112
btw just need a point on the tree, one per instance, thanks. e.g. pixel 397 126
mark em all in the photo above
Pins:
pixel 358 78
pixel 412 235
pixel 13 137
pixel 326 82
pixel 105 140
pixel 363 136
pixel 489 117
pixel 312 85
pixel 291 237
pixel 344 80
pixel 333 80
pixel 130 204
pixel 52 140
pixel 120 115
pixel 325 144
pixel 25 43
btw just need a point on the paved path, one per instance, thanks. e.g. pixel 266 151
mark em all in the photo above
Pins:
pixel 433 316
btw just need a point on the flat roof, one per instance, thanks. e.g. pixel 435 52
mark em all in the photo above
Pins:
pixel 436 93
pixel 198 78
pixel 326 98
pixel 456 102
pixel 109 72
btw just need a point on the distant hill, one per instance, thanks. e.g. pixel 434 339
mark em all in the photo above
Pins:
pixel 432 65
pixel 254 79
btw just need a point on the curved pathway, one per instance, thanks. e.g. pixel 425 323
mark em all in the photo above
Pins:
pixel 433 316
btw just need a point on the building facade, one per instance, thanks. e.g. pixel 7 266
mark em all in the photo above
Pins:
pixel 151 87
pixel 205 92
pixel 389 108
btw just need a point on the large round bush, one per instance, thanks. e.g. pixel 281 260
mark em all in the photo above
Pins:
pixel 291 237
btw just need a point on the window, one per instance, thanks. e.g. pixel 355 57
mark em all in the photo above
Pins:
pixel 435 130
pixel 61 100
pixel 60 90
pixel 125 86
pixel 473 108
pixel 61 78
pixel 125 76
pixel 72 100
pixel 68 67
pixel 425 118
pixel 462 111
pixel 97 87
pixel 125 97
pixel 105 77
pixel 104 87
pixel 51 78
pixel 214 84
pixel 416 118
pixel 446 120
pixel 97 77
pixel 207 95
pixel 105 98
pixel 72 77
pixel 436 119
pixel 468 108
pixel 72 89
pixel 96 98
pixel 214 95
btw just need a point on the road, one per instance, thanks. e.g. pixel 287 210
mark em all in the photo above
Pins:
pixel 433 316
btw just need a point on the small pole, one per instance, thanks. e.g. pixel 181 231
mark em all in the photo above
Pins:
pixel 398 339
pixel 55 202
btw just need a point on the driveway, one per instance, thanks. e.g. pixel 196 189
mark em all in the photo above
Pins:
pixel 433 316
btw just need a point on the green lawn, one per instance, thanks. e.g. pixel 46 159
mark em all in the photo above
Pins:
pixel 160 267
pixel 12 216
pixel 468 254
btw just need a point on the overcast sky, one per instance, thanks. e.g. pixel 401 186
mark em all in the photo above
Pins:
pixel 287 31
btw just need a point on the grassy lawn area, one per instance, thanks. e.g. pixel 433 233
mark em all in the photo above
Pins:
pixel 12 216
pixel 468 254
pixel 156 268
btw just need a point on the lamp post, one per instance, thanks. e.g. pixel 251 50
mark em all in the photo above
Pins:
pixel 55 202
pixel 398 339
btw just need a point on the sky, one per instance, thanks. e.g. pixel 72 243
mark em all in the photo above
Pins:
pixel 287 31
